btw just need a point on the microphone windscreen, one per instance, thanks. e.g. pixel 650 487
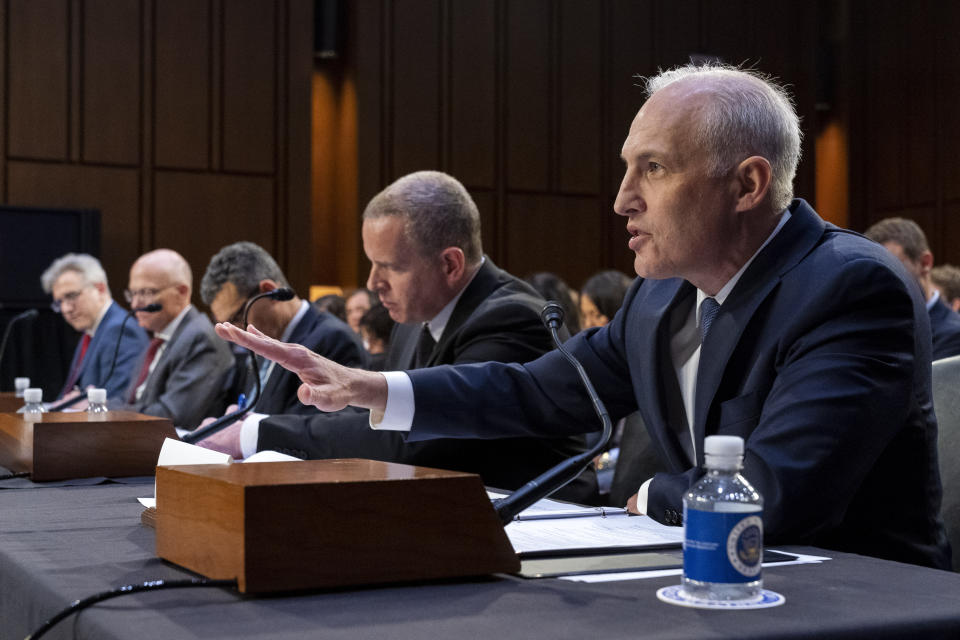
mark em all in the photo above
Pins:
pixel 552 314
pixel 150 308
pixel 282 294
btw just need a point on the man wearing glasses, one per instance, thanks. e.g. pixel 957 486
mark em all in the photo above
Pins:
pixel 182 371
pixel 236 274
pixel 81 294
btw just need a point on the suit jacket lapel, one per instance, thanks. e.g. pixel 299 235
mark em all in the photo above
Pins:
pixel 479 289
pixel 298 336
pixel 651 330
pixel 797 238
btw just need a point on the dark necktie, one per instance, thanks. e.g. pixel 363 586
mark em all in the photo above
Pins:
pixel 75 372
pixel 708 311
pixel 424 348
pixel 145 369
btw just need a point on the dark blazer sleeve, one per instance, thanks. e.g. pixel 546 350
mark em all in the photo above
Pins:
pixel 133 343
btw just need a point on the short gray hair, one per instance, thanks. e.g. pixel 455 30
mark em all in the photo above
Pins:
pixel 83 263
pixel 438 213
pixel 244 264
pixel 750 114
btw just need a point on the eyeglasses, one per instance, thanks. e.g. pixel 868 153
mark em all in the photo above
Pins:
pixel 68 298
pixel 148 293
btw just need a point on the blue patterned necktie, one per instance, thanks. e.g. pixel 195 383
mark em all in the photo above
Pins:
pixel 708 311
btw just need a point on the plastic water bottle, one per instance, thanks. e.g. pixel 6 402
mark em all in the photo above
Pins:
pixel 33 403
pixel 723 528
pixel 20 385
pixel 97 401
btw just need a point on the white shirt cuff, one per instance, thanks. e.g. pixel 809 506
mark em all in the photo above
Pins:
pixel 398 415
pixel 250 433
pixel 642 496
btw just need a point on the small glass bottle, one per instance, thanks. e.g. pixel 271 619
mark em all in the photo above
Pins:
pixel 20 385
pixel 723 528
pixel 33 403
pixel 97 401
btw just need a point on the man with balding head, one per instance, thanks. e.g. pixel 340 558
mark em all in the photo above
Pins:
pixel 181 374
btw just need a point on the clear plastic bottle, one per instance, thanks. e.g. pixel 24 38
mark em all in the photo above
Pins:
pixel 33 403
pixel 21 385
pixel 723 528
pixel 97 401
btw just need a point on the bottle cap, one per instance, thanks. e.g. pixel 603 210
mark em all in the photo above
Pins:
pixel 21 383
pixel 33 395
pixel 98 396
pixel 723 446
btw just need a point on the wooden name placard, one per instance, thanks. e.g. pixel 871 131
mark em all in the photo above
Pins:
pixel 60 445
pixel 280 526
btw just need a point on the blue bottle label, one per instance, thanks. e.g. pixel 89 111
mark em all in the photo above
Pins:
pixel 722 546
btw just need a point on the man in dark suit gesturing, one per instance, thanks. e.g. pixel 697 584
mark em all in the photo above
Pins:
pixel 181 375
pixel 752 317
pixel 453 306
pixel 242 270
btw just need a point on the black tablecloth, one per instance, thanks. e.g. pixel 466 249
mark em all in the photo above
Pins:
pixel 59 544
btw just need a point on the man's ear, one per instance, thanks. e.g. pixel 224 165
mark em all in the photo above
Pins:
pixel 454 263
pixel 267 285
pixel 925 262
pixel 753 177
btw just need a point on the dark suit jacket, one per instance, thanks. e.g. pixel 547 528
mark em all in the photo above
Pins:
pixel 96 364
pixel 496 318
pixel 188 382
pixel 321 333
pixel 819 359
pixel 945 324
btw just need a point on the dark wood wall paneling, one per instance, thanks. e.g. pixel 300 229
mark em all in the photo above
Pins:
pixel 528 102
pixel 904 127
pixel 185 122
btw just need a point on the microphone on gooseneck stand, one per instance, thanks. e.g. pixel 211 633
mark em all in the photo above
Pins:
pixel 282 294
pixel 69 402
pixel 29 313
pixel 552 479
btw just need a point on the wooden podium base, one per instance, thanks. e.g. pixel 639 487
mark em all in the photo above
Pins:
pixel 281 526
pixel 60 446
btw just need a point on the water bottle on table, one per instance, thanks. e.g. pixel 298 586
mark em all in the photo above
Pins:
pixel 723 528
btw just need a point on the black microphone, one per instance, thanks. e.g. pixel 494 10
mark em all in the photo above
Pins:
pixel 29 313
pixel 69 402
pixel 221 423
pixel 150 308
pixel 556 477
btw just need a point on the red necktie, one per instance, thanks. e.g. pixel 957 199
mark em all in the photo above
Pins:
pixel 75 372
pixel 145 369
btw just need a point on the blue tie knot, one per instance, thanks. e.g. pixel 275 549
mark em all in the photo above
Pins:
pixel 708 311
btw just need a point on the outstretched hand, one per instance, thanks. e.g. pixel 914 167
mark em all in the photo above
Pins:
pixel 326 385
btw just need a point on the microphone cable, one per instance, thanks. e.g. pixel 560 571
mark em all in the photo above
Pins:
pixel 152 585
pixel 282 294
pixel 558 476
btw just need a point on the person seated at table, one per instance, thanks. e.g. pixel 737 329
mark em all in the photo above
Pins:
pixel 452 305
pixel 181 374
pixel 552 287
pixel 236 274
pixel 906 240
pixel 108 350
pixel 946 279
pixel 601 297
pixel 752 317
pixel 334 304
pixel 376 325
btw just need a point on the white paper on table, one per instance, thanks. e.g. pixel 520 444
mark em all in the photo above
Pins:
pixel 547 508
pixel 588 533
pixel 636 575
pixel 174 452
